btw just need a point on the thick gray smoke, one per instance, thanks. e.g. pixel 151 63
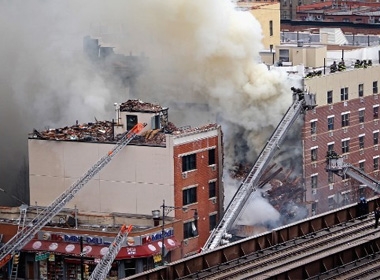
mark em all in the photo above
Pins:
pixel 202 52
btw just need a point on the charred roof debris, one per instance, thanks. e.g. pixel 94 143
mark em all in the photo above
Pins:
pixel 104 131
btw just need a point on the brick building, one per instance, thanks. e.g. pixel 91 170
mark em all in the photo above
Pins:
pixel 175 170
pixel 346 121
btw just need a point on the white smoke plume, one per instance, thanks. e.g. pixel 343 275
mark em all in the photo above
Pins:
pixel 201 52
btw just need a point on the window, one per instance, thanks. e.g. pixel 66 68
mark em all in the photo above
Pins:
pixel 212 222
pixel 330 147
pixel 344 94
pixel 190 229
pixel 345 146
pixel 284 55
pixel 361 165
pixel 271 28
pixel 330 177
pixel 331 202
pixel 189 162
pixel 361 90
pixel 330 123
pixel 330 97
pixel 376 112
pixel 345 119
pixel 314 153
pixel 189 196
pixel 212 189
pixel 131 121
pixel 374 87
pixel 375 137
pixel 361 116
pixel 376 163
pixel 156 122
pixel 314 181
pixel 361 142
pixel 313 127
pixel 313 208
pixel 211 157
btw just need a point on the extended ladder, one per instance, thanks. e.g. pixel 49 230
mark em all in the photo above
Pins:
pixel 301 101
pixel 16 256
pixel 338 166
pixel 27 233
pixel 103 267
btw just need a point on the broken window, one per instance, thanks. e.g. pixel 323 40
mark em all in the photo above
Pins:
pixel 330 123
pixel 344 94
pixel 212 189
pixel 330 97
pixel 211 156
pixel 131 121
pixel 345 146
pixel 190 229
pixel 345 119
pixel 189 196
pixel 361 115
pixel 189 162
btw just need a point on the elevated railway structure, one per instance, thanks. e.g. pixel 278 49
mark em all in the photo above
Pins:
pixel 336 244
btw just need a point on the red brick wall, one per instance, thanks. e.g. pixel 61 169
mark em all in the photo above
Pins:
pixel 321 139
pixel 200 177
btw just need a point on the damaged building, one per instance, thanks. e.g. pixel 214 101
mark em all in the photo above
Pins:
pixel 163 166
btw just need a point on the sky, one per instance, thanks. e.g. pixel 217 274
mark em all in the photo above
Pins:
pixel 201 50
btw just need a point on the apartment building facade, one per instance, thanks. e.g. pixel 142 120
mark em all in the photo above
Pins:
pixel 346 120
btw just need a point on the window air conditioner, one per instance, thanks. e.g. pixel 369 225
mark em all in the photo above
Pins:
pixel 331 107
pixel 361 151
pixel 213 200
pixel 331 133
pixel 313 137
pixel 362 126
pixel 184 175
pixel 376 148
pixel 213 168
pixel 361 99
pixel 345 103
pixel 345 130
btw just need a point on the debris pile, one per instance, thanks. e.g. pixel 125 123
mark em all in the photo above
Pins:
pixel 99 131
pixel 134 105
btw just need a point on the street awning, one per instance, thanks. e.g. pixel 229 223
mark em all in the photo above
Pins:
pixel 98 251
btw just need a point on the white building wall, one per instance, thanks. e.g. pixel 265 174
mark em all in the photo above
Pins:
pixel 135 181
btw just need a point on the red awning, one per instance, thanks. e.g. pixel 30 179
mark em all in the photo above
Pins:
pixel 97 251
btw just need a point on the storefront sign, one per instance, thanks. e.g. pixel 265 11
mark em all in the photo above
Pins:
pixel 157 236
pixel 41 257
pixel 61 237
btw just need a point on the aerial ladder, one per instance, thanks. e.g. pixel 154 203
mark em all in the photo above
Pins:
pixel 26 233
pixel 103 267
pixel 336 164
pixel 16 256
pixel 219 236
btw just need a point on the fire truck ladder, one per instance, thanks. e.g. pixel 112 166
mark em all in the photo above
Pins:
pixel 27 233
pixel 218 236
pixel 16 255
pixel 337 165
pixel 103 267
